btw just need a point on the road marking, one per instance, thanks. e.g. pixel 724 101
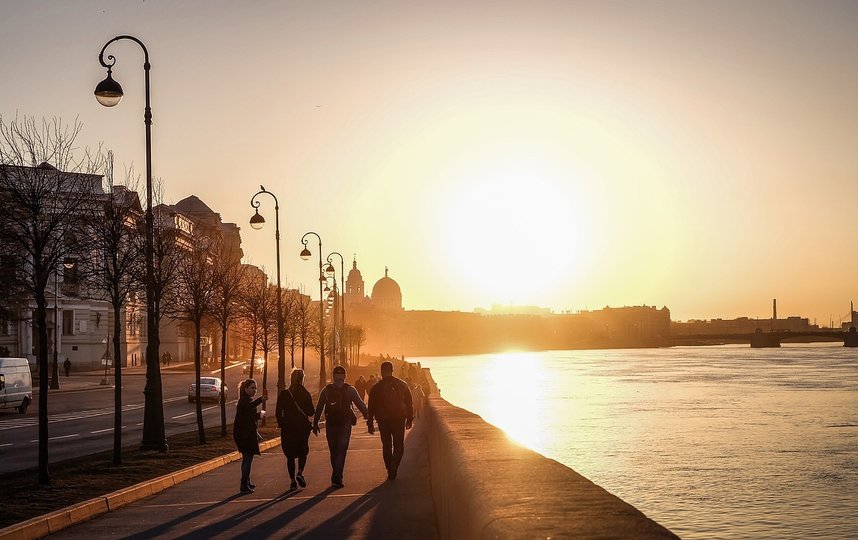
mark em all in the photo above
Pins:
pixel 58 438
pixel 5 445
pixel 193 412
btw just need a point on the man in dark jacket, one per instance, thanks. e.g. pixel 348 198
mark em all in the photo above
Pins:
pixel 390 403
pixel 336 400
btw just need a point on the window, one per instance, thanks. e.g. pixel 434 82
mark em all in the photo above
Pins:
pixel 68 322
pixel 4 327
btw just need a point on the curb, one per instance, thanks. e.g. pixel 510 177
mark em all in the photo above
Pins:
pixel 41 526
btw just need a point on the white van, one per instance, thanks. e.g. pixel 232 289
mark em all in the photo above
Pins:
pixel 16 384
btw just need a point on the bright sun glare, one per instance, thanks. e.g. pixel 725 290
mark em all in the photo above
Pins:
pixel 516 228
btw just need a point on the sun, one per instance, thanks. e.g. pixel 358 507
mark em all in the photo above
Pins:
pixel 516 229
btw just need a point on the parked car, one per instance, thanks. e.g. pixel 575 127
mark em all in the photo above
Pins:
pixel 16 384
pixel 209 389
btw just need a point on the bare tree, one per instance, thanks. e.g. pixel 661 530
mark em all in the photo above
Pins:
pixel 227 278
pixel 303 321
pixel 44 192
pixel 116 230
pixel 194 301
pixel 355 337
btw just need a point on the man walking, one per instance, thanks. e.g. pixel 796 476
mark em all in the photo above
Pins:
pixel 336 400
pixel 390 402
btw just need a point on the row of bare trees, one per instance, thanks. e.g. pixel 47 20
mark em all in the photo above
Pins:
pixel 57 209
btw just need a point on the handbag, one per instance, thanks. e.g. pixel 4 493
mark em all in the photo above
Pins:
pixel 304 416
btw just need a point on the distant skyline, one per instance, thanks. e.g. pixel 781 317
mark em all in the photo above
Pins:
pixel 570 155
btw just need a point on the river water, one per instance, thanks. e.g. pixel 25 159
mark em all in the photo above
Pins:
pixel 711 442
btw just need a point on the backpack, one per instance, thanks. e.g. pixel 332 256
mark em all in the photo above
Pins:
pixel 338 409
pixel 389 400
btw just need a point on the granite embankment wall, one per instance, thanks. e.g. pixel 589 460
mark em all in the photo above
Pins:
pixel 486 486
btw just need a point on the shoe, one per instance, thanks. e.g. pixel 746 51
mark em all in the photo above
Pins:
pixel 293 486
pixel 301 481
pixel 251 486
pixel 337 485
pixel 391 475
pixel 246 490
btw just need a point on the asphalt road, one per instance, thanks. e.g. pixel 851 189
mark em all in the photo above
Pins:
pixel 81 420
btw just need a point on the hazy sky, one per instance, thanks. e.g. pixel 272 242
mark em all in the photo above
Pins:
pixel 699 155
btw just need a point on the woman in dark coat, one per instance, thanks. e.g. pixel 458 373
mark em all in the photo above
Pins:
pixel 294 406
pixel 244 429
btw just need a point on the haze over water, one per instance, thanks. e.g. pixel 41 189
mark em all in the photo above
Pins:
pixel 711 442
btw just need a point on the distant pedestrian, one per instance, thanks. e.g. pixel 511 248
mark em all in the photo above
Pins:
pixel 360 386
pixel 168 357
pixel 390 403
pixel 371 383
pixel 244 429
pixel 67 366
pixel 294 406
pixel 417 399
pixel 336 401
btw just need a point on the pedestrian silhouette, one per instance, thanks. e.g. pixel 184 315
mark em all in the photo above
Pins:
pixel 336 401
pixel 67 366
pixel 390 403
pixel 294 406
pixel 244 429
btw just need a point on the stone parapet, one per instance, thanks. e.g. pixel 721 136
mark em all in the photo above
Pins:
pixel 486 486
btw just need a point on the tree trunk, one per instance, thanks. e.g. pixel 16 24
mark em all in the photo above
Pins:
pixel 117 390
pixel 201 430
pixel 42 328
pixel 223 378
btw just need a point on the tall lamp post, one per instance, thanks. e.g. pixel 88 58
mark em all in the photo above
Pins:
pixel 330 271
pixel 55 370
pixel 305 254
pixel 109 93
pixel 257 221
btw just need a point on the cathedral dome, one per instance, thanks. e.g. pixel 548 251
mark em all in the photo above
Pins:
pixel 386 293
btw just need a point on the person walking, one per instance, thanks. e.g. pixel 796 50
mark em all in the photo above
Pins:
pixel 67 366
pixel 336 401
pixel 417 397
pixel 360 386
pixel 390 403
pixel 244 429
pixel 294 406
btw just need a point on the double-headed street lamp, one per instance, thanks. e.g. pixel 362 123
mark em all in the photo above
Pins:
pixel 330 271
pixel 305 254
pixel 109 93
pixel 257 221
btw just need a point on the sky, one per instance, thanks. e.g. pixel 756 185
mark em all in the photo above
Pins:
pixel 571 155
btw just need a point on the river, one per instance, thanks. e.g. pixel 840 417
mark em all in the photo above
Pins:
pixel 711 442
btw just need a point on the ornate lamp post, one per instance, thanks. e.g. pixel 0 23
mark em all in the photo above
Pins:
pixel 305 254
pixel 109 93
pixel 330 271
pixel 257 221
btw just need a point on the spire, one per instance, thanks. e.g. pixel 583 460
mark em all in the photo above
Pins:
pixel 385 271
pixel 354 261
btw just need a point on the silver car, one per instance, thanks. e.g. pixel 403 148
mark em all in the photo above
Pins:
pixel 209 389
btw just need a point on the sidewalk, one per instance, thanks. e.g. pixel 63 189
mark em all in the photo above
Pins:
pixel 209 506
pixel 86 380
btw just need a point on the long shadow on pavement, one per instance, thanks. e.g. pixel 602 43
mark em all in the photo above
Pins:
pixel 163 528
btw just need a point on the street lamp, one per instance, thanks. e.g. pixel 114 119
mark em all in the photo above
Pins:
pixel 257 221
pixel 55 370
pixel 330 270
pixel 109 93
pixel 305 254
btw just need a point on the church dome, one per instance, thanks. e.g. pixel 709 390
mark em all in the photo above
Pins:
pixel 386 293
